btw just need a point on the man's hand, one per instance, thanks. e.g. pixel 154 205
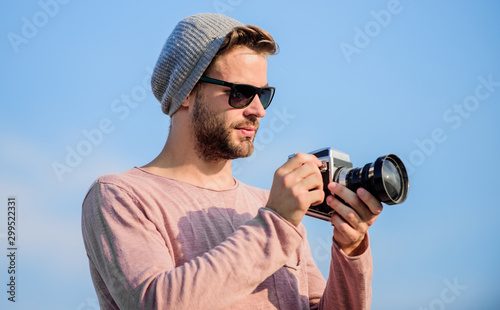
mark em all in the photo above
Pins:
pixel 296 186
pixel 352 221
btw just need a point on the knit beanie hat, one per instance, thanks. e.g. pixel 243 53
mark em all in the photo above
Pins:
pixel 185 56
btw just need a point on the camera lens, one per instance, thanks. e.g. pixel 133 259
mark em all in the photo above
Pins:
pixel 385 178
pixel 392 179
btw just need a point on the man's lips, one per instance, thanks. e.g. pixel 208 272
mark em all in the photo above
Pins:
pixel 247 131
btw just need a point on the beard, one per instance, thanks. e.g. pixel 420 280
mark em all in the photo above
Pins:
pixel 213 134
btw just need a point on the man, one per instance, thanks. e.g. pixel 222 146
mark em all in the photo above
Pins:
pixel 182 233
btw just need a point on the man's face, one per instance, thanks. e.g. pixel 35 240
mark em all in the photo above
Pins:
pixel 223 132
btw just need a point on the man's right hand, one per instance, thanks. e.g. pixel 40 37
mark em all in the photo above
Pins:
pixel 296 186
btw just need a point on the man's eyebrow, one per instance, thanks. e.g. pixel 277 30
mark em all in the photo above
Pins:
pixel 267 85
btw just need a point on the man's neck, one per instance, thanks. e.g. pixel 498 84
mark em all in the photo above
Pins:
pixel 179 161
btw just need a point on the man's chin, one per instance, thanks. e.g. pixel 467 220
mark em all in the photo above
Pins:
pixel 248 154
pixel 246 150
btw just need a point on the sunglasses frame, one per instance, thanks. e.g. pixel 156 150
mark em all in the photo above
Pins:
pixel 257 91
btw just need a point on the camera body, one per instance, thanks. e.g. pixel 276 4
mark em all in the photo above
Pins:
pixel 332 160
pixel 385 178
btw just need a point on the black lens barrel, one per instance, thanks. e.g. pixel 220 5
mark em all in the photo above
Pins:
pixel 386 178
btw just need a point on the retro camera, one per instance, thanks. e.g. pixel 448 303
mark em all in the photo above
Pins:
pixel 385 178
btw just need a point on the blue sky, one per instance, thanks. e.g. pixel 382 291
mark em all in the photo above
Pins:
pixel 420 79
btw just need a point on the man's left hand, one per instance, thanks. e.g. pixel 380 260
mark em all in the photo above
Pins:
pixel 352 218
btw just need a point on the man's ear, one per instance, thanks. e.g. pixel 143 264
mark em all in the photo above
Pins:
pixel 189 101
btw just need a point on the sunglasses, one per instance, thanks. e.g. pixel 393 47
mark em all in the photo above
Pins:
pixel 241 95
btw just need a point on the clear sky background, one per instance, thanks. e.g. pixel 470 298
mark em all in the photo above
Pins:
pixel 420 79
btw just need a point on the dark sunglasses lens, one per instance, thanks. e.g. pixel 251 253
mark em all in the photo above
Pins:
pixel 241 95
pixel 266 96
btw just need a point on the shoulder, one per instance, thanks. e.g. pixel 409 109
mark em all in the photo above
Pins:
pixel 126 183
pixel 122 179
pixel 129 180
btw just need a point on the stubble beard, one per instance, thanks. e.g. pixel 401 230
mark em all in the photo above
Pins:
pixel 213 135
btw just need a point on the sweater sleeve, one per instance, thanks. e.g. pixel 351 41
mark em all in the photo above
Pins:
pixel 133 264
pixel 349 281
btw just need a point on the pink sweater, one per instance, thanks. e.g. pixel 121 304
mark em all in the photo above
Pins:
pixel 158 243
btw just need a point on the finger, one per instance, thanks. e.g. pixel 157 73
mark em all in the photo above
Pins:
pixel 344 233
pixel 353 200
pixel 348 238
pixel 315 197
pixel 348 196
pixel 300 158
pixel 309 172
pixel 309 190
pixel 340 223
pixel 348 214
pixel 313 181
pixel 373 203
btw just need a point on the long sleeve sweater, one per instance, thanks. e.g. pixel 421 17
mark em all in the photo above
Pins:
pixel 158 243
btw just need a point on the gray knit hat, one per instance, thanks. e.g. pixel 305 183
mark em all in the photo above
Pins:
pixel 186 54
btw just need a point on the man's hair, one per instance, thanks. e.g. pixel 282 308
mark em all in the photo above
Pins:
pixel 253 37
